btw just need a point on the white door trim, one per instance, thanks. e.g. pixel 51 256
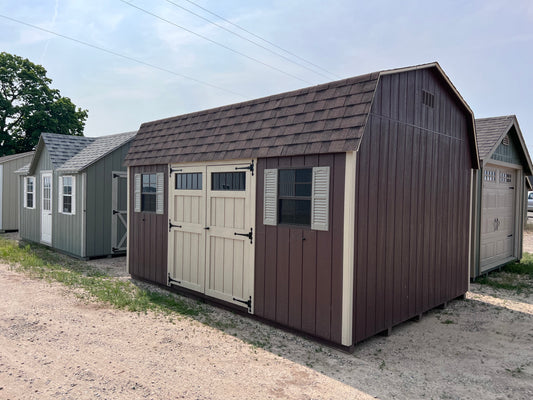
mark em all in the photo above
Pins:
pixel 50 214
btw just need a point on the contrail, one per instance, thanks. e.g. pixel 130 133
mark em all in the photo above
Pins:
pixel 45 50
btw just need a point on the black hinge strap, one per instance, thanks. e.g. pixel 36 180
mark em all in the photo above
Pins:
pixel 174 170
pixel 247 302
pixel 171 225
pixel 249 235
pixel 170 280
pixel 249 167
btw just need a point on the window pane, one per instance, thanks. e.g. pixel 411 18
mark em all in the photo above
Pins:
pixel 29 200
pixel 189 181
pixel 148 183
pixel 67 204
pixel 286 182
pixel 303 189
pixel 148 202
pixel 295 212
pixel 304 175
pixel 234 181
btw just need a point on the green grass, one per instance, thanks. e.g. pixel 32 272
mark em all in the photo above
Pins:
pixel 515 276
pixel 42 263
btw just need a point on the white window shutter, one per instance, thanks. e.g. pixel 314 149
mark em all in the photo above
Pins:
pixel 25 198
pixel 160 190
pixel 320 199
pixel 60 196
pixel 137 200
pixel 73 199
pixel 270 201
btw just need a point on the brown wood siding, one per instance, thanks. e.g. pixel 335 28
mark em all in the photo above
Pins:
pixel 298 271
pixel 148 233
pixel 412 203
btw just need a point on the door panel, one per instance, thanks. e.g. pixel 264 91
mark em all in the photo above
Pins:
pixel 186 258
pixel 210 250
pixel 46 208
pixel 119 217
pixel 498 215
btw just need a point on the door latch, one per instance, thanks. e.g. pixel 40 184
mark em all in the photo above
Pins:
pixel 249 235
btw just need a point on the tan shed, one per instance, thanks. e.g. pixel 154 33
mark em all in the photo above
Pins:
pixel 501 194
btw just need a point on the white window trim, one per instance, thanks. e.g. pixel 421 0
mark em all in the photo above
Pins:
pixel 73 195
pixel 25 198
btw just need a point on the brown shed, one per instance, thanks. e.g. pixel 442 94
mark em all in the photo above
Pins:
pixel 338 210
pixel 501 190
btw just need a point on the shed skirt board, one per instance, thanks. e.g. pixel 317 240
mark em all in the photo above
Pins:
pixel 46 208
pixel 209 248
pixel 497 216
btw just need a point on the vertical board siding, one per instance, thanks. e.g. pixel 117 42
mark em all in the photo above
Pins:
pixel 148 234
pixel 99 201
pixel 298 271
pixel 66 228
pixel 11 200
pixel 412 203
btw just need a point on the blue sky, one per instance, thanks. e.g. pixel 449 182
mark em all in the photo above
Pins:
pixel 485 47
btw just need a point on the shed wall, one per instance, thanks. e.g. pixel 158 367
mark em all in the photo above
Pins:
pixel 412 203
pixel 148 236
pixel 11 200
pixel 98 201
pixel 298 271
pixel 66 228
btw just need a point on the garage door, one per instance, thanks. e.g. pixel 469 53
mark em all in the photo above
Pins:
pixel 211 231
pixel 497 216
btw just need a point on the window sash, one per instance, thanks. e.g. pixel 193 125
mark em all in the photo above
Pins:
pixel 29 192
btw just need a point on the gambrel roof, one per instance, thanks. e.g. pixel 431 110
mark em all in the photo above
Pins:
pixel 327 118
pixel 75 153
pixel 491 131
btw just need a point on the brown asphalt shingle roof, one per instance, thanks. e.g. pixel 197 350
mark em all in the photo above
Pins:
pixel 326 118
pixel 489 131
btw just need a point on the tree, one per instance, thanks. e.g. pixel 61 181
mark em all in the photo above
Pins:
pixel 29 106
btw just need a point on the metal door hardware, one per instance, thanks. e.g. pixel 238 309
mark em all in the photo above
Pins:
pixel 170 280
pixel 174 170
pixel 249 235
pixel 171 225
pixel 247 302
pixel 249 167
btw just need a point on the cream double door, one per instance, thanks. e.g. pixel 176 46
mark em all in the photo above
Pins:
pixel 211 231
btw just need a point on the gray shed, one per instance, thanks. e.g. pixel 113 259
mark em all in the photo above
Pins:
pixel 500 194
pixel 9 200
pixel 74 194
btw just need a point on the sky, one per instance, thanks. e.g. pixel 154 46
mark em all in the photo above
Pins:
pixel 166 61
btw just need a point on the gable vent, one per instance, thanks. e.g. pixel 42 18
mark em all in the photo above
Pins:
pixel 428 99
pixel 505 140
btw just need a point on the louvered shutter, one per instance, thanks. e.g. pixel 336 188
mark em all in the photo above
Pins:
pixel 60 202
pixel 26 179
pixel 73 198
pixel 270 202
pixel 160 186
pixel 320 199
pixel 137 199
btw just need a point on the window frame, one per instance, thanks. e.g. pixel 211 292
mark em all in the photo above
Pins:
pixel 150 193
pixel 307 198
pixel 62 195
pixel 26 180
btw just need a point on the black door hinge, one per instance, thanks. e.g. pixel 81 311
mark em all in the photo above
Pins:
pixel 174 170
pixel 170 280
pixel 247 302
pixel 171 225
pixel 249 167
pixel 249 235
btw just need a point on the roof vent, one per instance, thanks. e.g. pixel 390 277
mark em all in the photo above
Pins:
pixel 505 140
pixel 428 99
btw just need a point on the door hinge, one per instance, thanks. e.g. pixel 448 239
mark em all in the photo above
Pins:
pixel 249 235
pixel 247 302
pixel 174 170
pixel 510 235
pixel 171 225
pixel 249 167
pixel 170 280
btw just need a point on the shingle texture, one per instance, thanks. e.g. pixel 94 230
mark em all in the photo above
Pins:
pixel 75 153
pixel 489 130
pixel 321 119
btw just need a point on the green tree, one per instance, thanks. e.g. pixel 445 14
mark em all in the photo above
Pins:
pixel 29 106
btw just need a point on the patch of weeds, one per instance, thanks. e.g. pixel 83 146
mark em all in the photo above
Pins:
pixel 524 267
pixel 447 322
pixel 42 263
pixel 319 350
pixel 506 282
pixel 382 365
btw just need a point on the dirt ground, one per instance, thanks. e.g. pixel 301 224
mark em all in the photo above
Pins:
pixel 53 345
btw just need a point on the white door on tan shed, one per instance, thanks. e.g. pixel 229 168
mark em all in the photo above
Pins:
pixel 497 216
